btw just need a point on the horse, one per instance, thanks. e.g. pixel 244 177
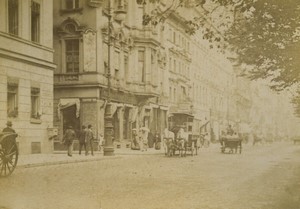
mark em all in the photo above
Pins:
pixel 181 141
pixel 168 142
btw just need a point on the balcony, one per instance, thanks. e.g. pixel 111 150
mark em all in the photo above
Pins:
pixel 79 78
pixel 146 89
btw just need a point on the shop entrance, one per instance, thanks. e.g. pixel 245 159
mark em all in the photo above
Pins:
pixel 70 119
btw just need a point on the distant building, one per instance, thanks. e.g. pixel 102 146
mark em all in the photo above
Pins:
pixel 26 72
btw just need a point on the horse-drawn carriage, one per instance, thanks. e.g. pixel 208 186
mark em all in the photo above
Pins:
pixel 8 153
pixel 182 136
pixel 231 143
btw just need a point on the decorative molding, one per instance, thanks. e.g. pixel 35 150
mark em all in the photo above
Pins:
pixel 72 27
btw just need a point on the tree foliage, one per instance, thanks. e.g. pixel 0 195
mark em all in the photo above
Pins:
pixel 264 35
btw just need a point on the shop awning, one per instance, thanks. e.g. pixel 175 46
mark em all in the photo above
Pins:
pixel 65 103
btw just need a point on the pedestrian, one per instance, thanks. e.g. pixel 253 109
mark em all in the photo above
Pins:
pixel 68 139
pixel 9 128
pixel 89 140
pixel 135 140
pixel 157 141
pixel 82 135
pixel 230 131
pixel 150 139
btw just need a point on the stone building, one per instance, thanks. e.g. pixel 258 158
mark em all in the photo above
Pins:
pixel 26 72
pixel 156 70
pixel 80 80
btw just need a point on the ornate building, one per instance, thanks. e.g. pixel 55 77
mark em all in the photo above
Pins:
pixel 80 80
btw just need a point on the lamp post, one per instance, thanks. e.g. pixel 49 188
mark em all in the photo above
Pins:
pixel 108 132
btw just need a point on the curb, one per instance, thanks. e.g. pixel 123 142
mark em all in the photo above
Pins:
pixel 66 162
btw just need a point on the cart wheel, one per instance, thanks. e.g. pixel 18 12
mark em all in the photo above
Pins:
pixel 8 160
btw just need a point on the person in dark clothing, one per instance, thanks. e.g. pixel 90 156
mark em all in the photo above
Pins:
pixel 157 141
pixel 68 139
pixel 9 128
pixel 230 131
pixel 82 135
pixel 89 140
pixel 150 139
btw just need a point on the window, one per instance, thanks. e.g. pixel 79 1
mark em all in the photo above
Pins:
pixel 153 56
pixel 175 66
pixel 126 66
pixel 170 64
pixel 12 100
pixel 141 65
pixel 72 56
pixel 174 37
pixel 35 103
pixel 13 15
pixel 183 92
pixel 35 21
pixel 71 4
pixel 175 97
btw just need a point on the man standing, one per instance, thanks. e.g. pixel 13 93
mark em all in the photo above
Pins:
pixel 89 140
pixel 9 128
pixel 230 131
pixel 82 136
pixel 68 139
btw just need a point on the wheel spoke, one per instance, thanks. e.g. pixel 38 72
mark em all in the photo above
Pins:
pixel 10 154
pixel 8 168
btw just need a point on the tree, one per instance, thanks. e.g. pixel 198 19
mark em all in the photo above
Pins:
pixel 264 35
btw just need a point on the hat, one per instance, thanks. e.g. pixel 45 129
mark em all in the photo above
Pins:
pixel 9 123
pixel 70 126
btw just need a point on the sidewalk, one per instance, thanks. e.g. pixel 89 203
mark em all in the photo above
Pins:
pixel 60 157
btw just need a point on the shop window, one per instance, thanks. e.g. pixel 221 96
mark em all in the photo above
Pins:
pixel 35 103
pixel 12 100
pixel 13 16
pixel 35 21
pixel 72 55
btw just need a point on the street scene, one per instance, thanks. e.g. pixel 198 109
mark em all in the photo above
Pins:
pixel 262 177
pixel 150 104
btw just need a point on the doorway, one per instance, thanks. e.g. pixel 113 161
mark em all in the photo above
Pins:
pixel 70 119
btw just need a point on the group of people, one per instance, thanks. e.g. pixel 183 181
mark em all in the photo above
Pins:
pixel 85 137
pixel 143 139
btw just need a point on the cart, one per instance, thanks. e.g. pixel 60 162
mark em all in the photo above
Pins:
pixel 8 153
pixel 190 125
pixel 231 143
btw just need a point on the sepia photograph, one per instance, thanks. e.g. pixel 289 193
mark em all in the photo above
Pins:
pixel 149 104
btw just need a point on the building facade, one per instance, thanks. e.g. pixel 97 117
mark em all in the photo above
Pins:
pixel 156 71
pixel 26 72
pixel 137 66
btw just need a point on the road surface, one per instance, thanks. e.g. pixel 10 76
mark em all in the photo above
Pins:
pixel 262 177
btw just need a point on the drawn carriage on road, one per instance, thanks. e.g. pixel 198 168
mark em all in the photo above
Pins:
pixel 231 143
pixel 185 128
pixel 8 153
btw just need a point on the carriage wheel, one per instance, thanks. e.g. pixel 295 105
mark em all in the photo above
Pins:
pixel 8 160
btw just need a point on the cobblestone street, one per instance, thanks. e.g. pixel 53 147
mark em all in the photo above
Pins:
pixel 262 177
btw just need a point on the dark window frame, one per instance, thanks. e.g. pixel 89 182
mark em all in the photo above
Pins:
pixel 13 17
pixel 35 21
pixel 72 53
